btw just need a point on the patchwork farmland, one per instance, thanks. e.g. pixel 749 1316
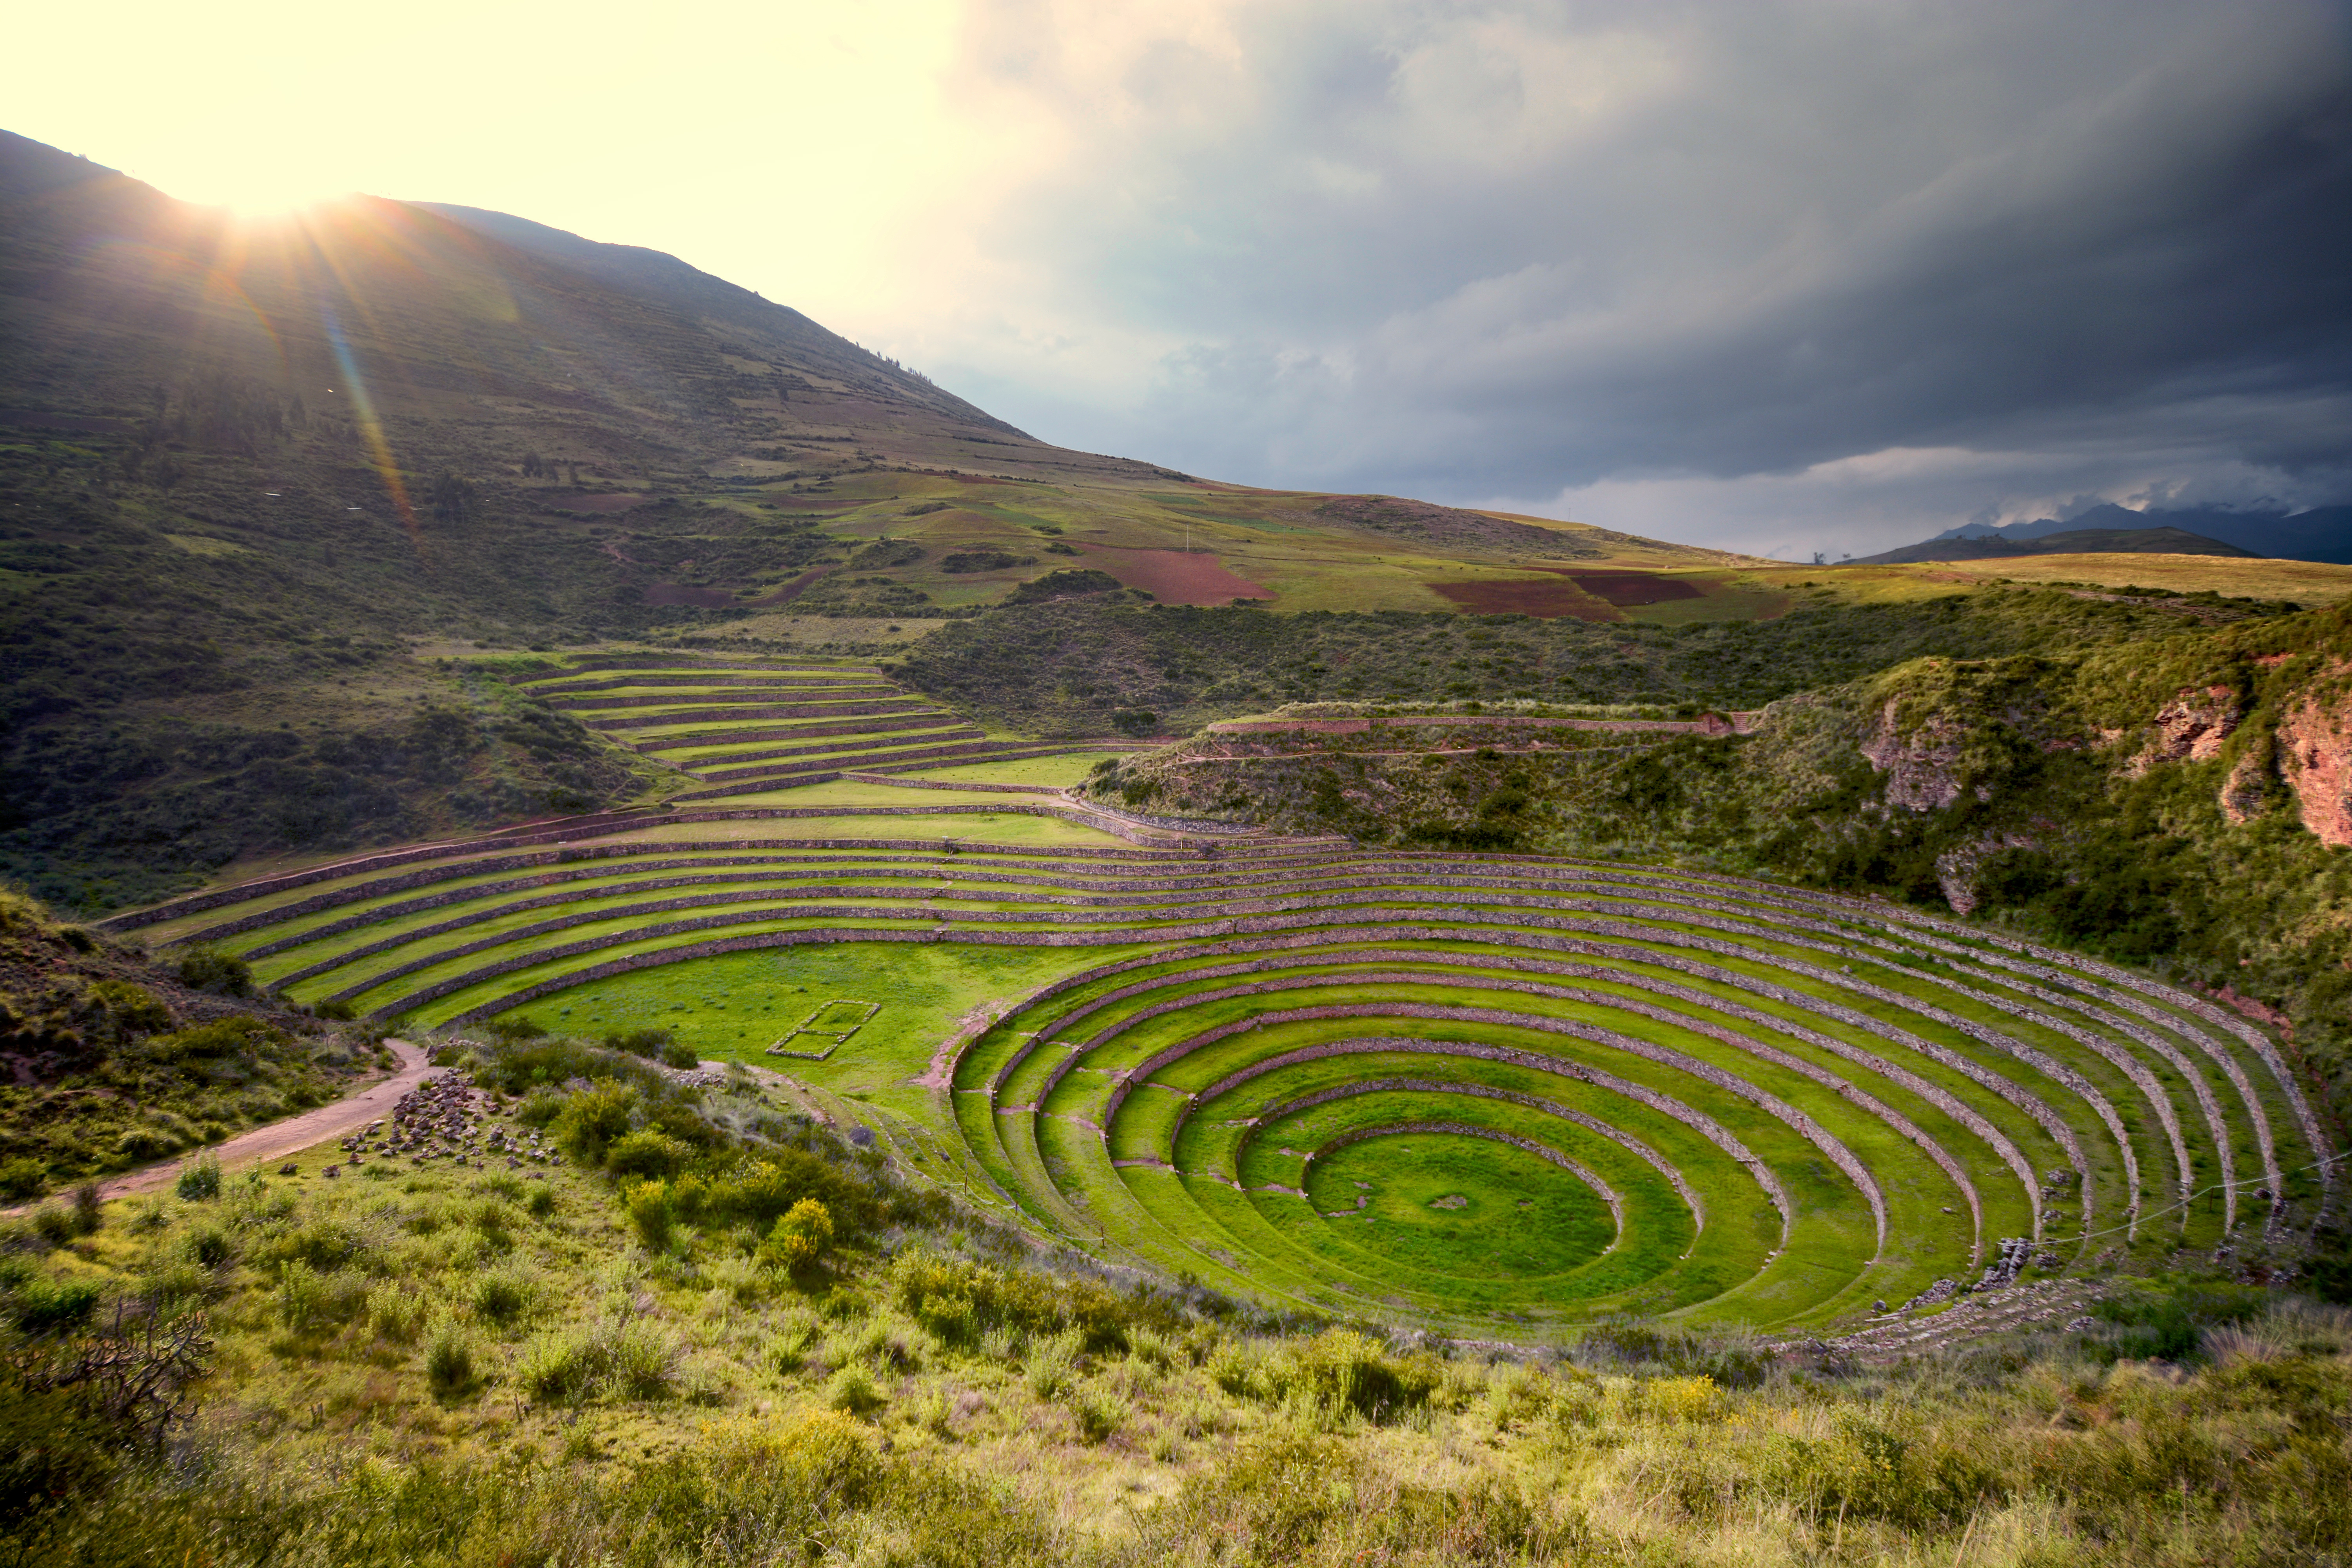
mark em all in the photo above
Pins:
pixel 1442 1089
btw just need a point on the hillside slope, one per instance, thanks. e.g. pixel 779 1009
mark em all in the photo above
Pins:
pixel 249 471
pixel 2068 541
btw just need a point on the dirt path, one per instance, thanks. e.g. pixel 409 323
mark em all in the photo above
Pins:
pixel 295 1133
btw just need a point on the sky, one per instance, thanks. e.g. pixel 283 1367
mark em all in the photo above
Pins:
pixel 1780 276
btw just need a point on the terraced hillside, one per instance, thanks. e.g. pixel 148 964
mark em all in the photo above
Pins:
pixel 1432 1088
pixel 762 724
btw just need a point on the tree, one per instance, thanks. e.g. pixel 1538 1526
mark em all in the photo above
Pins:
pixel 453 497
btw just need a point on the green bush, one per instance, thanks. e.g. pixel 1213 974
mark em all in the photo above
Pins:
pixel 851 1391
pixel 646 1153
pixel 396 1311
pixel 23 1177
pixel 592 1118
pixel 206 969
pixel 132 1008
pixel 2169 1323
pixel 946 1291
pixel 221 1037
pixel 449 1356
pixel 140 1144
pixel 200 1179
pixel 652 1043
pixel 45 1305
pixel 1098 1411
pixel 504 1295
pixel 800 1238
pixel 652 1213
pixel 208 1246
pixel 539 1108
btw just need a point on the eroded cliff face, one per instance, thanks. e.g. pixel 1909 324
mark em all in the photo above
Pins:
pixel 2191 728
pixel 1922 768
pixel 2314 752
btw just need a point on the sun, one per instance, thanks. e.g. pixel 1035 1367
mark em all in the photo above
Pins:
pixel 264 203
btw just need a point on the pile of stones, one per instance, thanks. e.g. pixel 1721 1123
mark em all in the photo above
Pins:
pixel 445 1116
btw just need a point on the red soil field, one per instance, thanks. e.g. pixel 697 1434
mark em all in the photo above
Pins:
pixel 1546 598
pixel 1632 587
pixel 1173 576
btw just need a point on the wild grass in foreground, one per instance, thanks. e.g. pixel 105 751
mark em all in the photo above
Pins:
pixel 716 1331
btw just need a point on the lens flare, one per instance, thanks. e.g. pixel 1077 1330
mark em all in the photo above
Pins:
pixel 371 428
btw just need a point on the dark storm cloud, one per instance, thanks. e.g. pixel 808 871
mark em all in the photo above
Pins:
pixel 1505 249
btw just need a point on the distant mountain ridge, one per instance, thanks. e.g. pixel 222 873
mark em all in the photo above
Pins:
pixel 2321 533
pixel 1995 544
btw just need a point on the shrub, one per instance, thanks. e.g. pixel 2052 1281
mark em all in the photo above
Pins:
pixel 53 1225
pixel 540 1107
pixel 301 1296
pixel 449 1356
pixel 851 1391
pixel 652 1213
pixel 209 1247
pixel 930 1287
pixel 2170 1324
pixel 557 1366
pixel 45 1305
pixel 206 969
pixel 200 1179
pixel 132 1008
pixel 503 1295
pixel 23 1177
pixel 1053 1366
pixel 396 1311
pixel 591 1118
pixel 1098 1410
pixel 787 1349
pixel 642 1042
pixel 646 1153
pixel 800 1238
pixel 89 1209
pixel 638 1358
pixel 140 1144
pixel 630 1358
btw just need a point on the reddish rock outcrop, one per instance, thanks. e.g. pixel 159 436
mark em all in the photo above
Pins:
pixel 2315 755
pixel 2190 728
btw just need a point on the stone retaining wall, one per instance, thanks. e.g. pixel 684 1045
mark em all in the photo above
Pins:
pixel 1543 1151
pixel 779 710
pixel 1665 1167
pixel 1781 1110
pixel 782 732
pixel 1666 1105
pixel 1933 1095
pixel 684 709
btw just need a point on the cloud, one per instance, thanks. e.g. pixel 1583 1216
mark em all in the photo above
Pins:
pixel 1712 260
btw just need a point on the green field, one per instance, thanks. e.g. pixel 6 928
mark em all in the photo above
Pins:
pixel 1427 1089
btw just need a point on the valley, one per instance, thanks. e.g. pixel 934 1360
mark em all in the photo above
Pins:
pixel 962 1001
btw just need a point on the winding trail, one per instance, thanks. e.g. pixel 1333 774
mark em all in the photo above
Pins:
pixel 290 1134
